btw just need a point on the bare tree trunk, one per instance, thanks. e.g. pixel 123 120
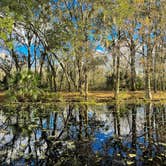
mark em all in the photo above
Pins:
pixel 86 85
pixel 148 86
pixel 49 77
pixel 148 74
pixel 69 86
pixel 29 59
pixel 117 83
pixel 35 56
pixel 163 70
pixel 61 80
pixel 114 71
pixel 155 71
pixel 54 83
pixel 80 81
pixel 132 67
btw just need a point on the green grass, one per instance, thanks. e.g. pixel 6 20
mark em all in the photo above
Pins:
pixel 108 96
pixel 98 97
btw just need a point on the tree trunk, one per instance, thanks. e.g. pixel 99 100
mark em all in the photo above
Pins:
pixel 86 85
pixel 55 84
pixel 117 83
pixel 15 58
pixel 53 73
pixel 29 59
pixel 114 71
pixel 35 60
pixel 43 56
pixel 132 67
pixel 69 86
pixel 80 81
pixel 49 76
pixel 148 74
pixel 64 70
pixel 148 86
pixel 155 71
pixel 62 77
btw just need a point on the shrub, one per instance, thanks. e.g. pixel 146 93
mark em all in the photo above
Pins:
pixel 24 86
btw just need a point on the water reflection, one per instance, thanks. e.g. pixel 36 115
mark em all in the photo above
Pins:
pixel 73 134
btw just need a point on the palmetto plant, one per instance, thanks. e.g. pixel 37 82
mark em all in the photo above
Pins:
pixel 24 86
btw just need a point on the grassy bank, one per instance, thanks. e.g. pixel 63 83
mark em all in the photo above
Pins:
pixel 98 96
pixel 107 96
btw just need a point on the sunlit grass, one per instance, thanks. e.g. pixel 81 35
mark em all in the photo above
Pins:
pixel 109 95
pixel 99 96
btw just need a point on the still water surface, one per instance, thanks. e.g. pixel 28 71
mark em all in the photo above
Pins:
pixel 79 135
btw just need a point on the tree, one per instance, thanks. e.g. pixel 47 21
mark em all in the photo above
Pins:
pixel 149 16
pixel 116 12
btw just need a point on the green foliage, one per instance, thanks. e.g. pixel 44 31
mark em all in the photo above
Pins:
pixel 24 86
pixel 64 32
pixel 6 26
pixel 139 83
pixel 123 10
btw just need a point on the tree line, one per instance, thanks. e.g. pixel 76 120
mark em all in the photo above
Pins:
pixel 74 45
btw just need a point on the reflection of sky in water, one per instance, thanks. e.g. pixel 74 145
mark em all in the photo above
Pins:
pixel 73 132
pixel 59 123
pixel 100 126
pixel 51 121
pixel 100 139
pixel 90 114
pixel 38 133
pixel 44 123
pixel 99 144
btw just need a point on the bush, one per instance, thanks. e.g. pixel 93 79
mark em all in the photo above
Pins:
pixel 24 86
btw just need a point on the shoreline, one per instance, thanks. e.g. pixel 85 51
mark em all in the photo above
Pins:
pixel 98 97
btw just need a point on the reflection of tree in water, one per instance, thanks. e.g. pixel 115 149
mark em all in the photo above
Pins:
pixel 43 137
pixel 65 135
pixel 20 141
pixel 134 148
pixel 160 123
pixel 78 128
pixel 9 146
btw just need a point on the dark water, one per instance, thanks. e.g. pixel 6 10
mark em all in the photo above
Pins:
pixel 81 135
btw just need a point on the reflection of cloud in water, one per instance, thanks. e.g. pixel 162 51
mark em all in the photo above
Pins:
pixel 125 121
pixel 99 130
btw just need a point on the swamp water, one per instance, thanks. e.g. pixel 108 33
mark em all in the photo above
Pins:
pixel 82 135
